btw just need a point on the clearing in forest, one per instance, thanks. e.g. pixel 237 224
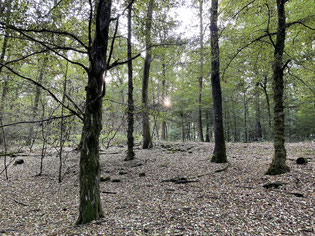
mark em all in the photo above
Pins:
pixel 171 189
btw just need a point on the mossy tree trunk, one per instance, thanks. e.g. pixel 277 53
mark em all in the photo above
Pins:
pixel 278 165
pixel 147 142
pixel 90 202
pixel 130 152
pixel 219 154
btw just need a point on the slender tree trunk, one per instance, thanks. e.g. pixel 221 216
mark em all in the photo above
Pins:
pixel 62 125
pixel 278 165
pixel 90 202
pixel 257 114
pixel 182 126
pixel 130 142
pixel 264 86
pixel 163 99
pixel 235 125
pixel 147 142
pixel 2 56
pixel 36 103
pixel 219 154
pixel 245 119
pixel 200 131
pixel 207 126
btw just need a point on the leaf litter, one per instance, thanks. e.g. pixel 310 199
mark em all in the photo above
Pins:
pixel 171 189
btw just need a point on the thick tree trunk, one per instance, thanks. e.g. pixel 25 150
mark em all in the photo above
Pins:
pixel 219 154
pixel 130 142
pixel 278 165
pixel 90 202
pixel 200 131
pixel 147 142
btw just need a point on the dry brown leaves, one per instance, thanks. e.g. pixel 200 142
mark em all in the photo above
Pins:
pixel 231 202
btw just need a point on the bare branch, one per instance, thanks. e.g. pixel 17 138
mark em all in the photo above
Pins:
pixel 64 33
pixel 46 89
pixel 37 121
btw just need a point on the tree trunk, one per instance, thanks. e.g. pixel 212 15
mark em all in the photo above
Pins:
pixel 200 131
pixel 257 114
pixel 3 52
pixel 163 99
pixel 264 86
pixel 219 154
pixel 147 142
pixel 62 125
pixel 90 202
pixel 207 126
pixel 278 165
pixel 245 140
pixel 130 142
pixel 36 103
pixel 182 126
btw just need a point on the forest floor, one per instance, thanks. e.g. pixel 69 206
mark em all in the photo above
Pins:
pixel 172 189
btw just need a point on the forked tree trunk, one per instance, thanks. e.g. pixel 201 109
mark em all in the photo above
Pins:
pixel 147 142
pixel 219 154
pixel 130 153
pixel 278 165
pixel 90 202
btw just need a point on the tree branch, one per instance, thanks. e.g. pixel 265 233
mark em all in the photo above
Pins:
pixel 37 121
pixel 46 89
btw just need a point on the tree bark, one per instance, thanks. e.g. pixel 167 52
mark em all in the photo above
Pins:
pixel 264 86
pixel 147 142
pixel 90 202
pixel 219 154
pixel 278 165
pixel 200 131
pixel 257 114
pixel 163 134
pixel 2 56
pixel 130 111
pixel 207 126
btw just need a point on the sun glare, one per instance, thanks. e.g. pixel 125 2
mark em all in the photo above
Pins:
pixel 167 102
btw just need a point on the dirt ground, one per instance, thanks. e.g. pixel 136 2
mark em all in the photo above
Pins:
pixel 172 189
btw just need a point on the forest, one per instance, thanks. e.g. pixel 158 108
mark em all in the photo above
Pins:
pixel 157 117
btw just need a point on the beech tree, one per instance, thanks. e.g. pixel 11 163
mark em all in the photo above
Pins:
pixel 278 165
pixel 219 153
pixel 130 111
pixel 147 141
